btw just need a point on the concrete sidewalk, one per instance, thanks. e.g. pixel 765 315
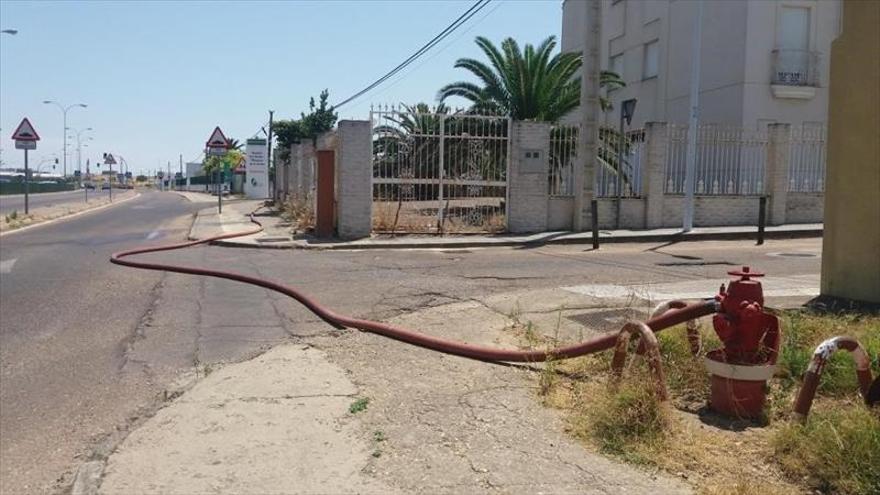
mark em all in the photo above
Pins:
pixel 285 422
pixel 277 234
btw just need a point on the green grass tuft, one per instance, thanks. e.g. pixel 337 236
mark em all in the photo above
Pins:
pixel 627 419
pixel 359 405
pixel 836 451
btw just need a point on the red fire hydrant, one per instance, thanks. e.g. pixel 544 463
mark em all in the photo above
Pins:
pixel 750 339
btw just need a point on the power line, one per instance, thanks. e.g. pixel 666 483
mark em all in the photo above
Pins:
pixel 463 18
pixel 441 50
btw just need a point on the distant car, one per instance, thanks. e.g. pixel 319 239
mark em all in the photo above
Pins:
pixel 105 186
pixel 89 185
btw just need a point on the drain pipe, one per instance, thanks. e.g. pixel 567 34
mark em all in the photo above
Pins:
pixel 672 317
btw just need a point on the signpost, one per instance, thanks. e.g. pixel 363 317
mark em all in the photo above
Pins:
pixel 25 137
pixel 256 185
pixel 218 145
pixel 109 160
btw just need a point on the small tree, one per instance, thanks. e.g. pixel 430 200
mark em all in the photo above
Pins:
pixel 320 119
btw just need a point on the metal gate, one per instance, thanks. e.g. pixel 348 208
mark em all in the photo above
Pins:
pixel 439 172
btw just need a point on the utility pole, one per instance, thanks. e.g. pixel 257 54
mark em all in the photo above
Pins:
pixel 690 171
pixel 169 175
pixel 180 163
pixel 269 154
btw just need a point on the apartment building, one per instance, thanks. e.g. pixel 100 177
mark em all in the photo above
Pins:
pixel 762 61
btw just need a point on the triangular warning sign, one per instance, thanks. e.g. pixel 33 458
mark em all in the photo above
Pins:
pixel 25 132
pixel 217 139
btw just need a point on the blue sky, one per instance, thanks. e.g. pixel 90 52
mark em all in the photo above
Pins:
pixel 158 76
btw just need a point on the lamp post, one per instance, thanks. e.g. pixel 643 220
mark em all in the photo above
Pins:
pixel 64 110
pixel 79 146
pixel 627 109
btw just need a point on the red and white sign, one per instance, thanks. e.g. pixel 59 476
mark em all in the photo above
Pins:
pixel 217 139
pixel 25 132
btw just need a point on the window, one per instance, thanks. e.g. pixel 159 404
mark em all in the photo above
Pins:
pixel 615 64
pixel 793 32
pixel 651 62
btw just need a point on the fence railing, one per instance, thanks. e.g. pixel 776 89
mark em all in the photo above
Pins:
pixel 795 67
pixel 439 172
pixel 563 159
pixel 729 161
pixel 806 169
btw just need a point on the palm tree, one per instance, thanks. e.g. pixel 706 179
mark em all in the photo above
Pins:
pixel 531 84
pixel 525 84
pixel 233 144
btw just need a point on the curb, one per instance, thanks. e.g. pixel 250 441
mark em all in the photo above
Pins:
pixel 66 217
pixel 679 237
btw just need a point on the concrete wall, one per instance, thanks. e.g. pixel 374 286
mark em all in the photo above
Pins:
pixel 709 211
pixel 851 244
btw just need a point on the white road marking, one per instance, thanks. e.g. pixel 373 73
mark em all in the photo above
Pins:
pixel 797 285
pixel 6 266
pixel 152 235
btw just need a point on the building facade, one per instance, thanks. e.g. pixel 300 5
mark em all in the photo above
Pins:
pixel 762 61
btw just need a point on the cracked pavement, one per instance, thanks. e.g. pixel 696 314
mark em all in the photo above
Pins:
pixel 149 343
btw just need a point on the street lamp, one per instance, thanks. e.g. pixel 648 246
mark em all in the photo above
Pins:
pixel 79 148
pixel 627 109
pixel 64 112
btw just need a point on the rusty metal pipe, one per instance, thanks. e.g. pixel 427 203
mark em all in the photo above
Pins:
pixel 652 350
pixel 823 352
pixel 482 353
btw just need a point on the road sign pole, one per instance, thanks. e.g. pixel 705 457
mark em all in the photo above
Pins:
pixel 26 181
pixel 111 183
pixel 219 192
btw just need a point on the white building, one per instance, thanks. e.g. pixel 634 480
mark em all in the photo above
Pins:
pixel 762 61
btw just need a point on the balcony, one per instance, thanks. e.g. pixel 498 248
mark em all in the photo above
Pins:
pixel 795 73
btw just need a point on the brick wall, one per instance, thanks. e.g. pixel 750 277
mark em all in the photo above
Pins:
pixel 527 188
pixel 354 177
pixel 805 207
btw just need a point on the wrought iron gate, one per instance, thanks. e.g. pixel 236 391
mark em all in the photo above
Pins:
pixel 439 172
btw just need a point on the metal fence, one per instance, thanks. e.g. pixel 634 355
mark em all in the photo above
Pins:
pixel 563 159
pixel 729 161
pixel 806 168
pixel 439 172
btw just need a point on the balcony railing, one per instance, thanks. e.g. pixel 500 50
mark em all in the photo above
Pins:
pixel 795 68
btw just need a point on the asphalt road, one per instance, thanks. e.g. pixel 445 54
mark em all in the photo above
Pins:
pixel 65 317
pixel 10 202
pixel 87 348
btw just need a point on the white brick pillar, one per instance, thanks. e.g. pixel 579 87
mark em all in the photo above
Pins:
pixel 776 172
pixel 654 172
pixel 588 139
pixel 354 191
pixel 296 164
pixel 527 183
pixel 284 179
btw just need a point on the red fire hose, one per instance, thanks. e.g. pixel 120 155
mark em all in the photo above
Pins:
pixel 667 319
